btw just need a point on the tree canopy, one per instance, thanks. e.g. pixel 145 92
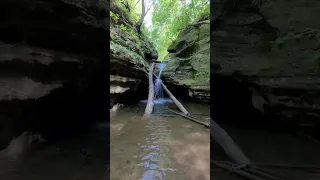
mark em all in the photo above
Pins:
pixel 168 18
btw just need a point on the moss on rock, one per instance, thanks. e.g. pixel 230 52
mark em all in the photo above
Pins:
pixel 127 44
pixel 189 59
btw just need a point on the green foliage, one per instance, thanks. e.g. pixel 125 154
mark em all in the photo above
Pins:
pixel 123 51
pixel 114 16
pixel 123 27
pixel 135 8
pixel 170 17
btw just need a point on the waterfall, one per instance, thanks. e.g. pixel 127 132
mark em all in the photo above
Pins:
pixel 158 92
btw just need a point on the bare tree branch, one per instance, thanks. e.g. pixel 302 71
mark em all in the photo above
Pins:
pixel 151 4
pixel 143 14
pixel 136 3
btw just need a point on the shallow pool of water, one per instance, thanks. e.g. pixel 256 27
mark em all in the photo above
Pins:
pixel 165 147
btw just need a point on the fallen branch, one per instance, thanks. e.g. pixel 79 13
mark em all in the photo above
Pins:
pixel 259 172
pixel 190 118
pixel 178 104
pixel 228 145
pixel 236 171
pixel 150 104
pixel 292 166
pixel 201 114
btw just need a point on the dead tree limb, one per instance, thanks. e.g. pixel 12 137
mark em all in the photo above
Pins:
pixel 143 14
pixel 178 104
pixel 190 118
pixel 258 172
pixel 292 166
pixel 150 103
pixel 237 171
pixel 228 145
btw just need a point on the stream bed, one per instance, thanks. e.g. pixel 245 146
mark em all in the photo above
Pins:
pixel 165 147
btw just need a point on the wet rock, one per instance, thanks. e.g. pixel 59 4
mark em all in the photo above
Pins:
pixel 53 66
pixel 189 64
pixel 271 48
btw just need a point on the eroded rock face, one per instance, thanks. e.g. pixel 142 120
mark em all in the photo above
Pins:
pixel 130 53
pixel 189 64
pixel 53 67
pixel 273 50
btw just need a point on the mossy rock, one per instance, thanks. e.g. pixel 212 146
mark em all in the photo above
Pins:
pixel 189 58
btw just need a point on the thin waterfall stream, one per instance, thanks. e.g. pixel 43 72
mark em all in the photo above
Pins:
pixel 158 92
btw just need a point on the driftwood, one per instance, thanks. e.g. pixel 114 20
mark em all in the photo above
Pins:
pixel 190 118
pixel 291 166
pixel 150 103
pixel 228 145
pixel 237 171
pixel 178 104
pixel 259 172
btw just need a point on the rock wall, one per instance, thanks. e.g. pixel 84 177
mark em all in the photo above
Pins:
pixel 272 51
pixel 130 53
pixel 53 66
pixel 189 60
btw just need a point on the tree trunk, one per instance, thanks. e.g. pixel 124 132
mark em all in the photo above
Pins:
pixel 143 14
pixel 179 105
pixel 228 145
pixel 150 103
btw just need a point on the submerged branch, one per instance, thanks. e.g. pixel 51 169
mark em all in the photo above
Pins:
pixel 190 118
pixel 228 145
pixel 178 104
pixel 237 171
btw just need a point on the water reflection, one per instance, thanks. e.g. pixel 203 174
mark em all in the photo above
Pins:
pixel 153 146
pixel 151 161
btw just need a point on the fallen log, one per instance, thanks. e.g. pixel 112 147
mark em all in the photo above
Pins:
pixel 228 145
pixel 259 172
pixel 237 171
pixel 178 104
pixel 290 166
pixel 150 103
pixel 190 118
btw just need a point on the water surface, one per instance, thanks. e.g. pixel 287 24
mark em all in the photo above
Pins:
pixel 165 147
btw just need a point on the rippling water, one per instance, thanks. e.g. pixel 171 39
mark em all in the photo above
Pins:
pixel 165 147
